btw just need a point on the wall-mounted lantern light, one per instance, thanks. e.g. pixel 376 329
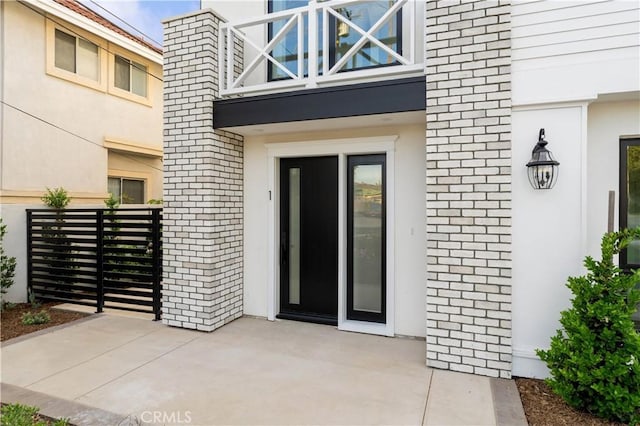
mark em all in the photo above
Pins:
pixel 543 169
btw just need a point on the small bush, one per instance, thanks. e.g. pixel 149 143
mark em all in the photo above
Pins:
pixel 35 318
pixel 7 267
pixel 593 359
pixel 35 304
pixel 56 198
pixel 112 202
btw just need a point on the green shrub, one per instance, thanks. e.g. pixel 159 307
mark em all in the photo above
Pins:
pixel 33 300
pixel 34 318
pixel 18 415
pixel 594 359
pixel 112 202
pixel 56 198
pixel 7 267
pixel 25 415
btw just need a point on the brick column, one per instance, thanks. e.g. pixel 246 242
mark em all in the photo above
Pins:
pixel 202 236
pixel 468 143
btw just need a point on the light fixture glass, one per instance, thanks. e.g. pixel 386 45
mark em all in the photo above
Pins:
pixel 542 169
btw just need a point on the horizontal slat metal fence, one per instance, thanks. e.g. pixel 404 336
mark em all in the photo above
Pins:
pixel 98 257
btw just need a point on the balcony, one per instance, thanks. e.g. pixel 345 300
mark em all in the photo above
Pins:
pixel 322 44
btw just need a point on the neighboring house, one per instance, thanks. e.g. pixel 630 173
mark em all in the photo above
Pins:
pixel 81 109
pixel 375 180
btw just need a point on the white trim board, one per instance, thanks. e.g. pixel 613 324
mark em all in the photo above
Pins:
pixel 340 148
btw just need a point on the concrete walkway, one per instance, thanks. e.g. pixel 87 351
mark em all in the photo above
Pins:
pixel 121 370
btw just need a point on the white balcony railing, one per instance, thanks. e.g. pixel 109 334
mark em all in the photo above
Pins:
pixel 314 29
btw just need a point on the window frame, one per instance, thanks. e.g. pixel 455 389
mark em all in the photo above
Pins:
pixel 623 210
pixel 127 94
pixel 137 179
pixel 77 33
pixel 132 65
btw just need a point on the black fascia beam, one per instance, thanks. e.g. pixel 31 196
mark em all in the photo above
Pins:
pixel 383 97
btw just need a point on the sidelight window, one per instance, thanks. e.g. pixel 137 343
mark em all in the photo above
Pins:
pixel 366 257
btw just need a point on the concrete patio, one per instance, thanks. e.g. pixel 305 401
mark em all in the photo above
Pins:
pixel 112 369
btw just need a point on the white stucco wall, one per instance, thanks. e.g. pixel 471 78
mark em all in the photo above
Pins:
pixel 570 60
pixel 410 248
pixel 547 230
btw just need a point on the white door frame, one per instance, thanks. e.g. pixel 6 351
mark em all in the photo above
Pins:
pixel 340 148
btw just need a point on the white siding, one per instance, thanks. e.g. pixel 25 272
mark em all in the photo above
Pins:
pixel 574 50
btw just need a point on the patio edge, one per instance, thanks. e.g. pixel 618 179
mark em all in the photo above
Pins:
pixel 507 404
pixel 55 407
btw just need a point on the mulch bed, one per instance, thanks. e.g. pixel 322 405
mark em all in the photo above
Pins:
pixel 11 319
pixel 543 407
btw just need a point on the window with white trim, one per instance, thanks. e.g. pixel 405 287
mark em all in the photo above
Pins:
pixel 130 76
pixel 77 55
pixel 630 205
pixel 126 190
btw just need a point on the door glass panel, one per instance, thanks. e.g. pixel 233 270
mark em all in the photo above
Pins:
pixel 294 235
pixel 367 238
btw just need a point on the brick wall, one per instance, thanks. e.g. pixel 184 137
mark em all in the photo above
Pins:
pixel 468 144
pixel 203 227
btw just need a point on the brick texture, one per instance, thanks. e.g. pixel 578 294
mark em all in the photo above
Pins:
pixel 468 144
pixel 203 227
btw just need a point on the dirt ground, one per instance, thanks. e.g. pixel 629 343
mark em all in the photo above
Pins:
pixel 543 407
pixel 11 319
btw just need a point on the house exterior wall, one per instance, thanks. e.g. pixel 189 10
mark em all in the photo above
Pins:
pixel 497 252
pixel 410 273
pixel 69 151
pixel 203 199
pixel 468 205
pixel 575 73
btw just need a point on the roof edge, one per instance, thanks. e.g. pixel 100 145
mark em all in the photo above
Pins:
pixel 63 12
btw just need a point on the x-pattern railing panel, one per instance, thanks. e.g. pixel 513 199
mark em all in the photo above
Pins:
pixel 291 19
pixel 365 36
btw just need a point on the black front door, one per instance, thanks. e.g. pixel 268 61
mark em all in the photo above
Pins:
pixel 309 239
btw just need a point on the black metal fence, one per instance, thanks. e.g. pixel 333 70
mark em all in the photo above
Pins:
pixel 98 257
